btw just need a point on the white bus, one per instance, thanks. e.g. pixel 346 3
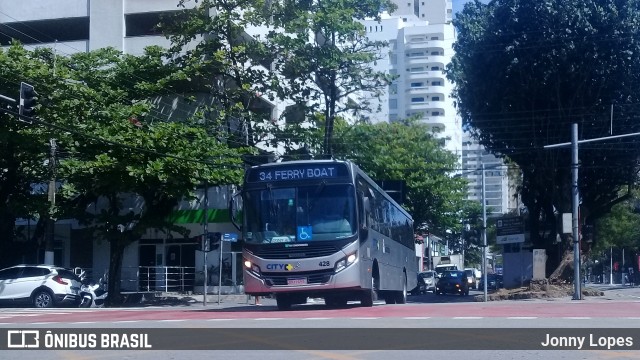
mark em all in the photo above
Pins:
pixel 323 229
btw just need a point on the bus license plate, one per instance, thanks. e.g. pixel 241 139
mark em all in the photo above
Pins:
pixel 297 281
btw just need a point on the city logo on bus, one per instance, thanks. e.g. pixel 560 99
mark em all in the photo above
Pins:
pixel 285 267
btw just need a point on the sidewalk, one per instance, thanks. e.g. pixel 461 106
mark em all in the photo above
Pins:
pixel 615 292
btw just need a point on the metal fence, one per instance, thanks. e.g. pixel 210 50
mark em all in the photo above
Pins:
pixel 178 279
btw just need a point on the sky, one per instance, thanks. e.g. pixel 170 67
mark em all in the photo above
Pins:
pixel 458 4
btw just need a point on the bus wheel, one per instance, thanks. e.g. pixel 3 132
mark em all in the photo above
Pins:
pixel 390 298
pixel 401 296
pixel 283 302
pixel 370 295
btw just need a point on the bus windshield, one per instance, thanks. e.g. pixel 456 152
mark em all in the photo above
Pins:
pixel 300 214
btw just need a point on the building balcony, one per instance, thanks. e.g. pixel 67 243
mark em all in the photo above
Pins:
pixel 427 95
pixel 427 105
pixel 428 59
pixel 423 75
pixel 425 44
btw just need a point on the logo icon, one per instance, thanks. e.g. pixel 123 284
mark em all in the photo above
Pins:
pixel 23 339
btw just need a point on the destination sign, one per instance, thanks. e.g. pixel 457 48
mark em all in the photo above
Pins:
pixel 297 172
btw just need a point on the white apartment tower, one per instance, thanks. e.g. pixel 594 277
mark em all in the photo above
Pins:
pixel 420 37
pixel 498 192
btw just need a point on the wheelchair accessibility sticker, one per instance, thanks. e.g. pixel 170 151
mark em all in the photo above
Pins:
pixel 304 233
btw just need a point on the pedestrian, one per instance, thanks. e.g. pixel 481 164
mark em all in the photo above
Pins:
pixel 257 300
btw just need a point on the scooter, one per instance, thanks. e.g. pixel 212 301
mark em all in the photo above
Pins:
pixel 93 294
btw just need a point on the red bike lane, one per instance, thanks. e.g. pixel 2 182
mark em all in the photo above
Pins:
pixel 551 309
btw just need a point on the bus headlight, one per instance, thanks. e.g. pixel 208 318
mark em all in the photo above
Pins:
pixel 345 262
pixel 251 267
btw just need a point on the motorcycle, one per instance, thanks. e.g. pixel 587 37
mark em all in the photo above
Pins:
pixel 93 294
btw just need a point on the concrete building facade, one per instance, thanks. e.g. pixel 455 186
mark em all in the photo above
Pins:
pixel 420 39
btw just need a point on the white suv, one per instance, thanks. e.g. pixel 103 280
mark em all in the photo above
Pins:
pixel 41 285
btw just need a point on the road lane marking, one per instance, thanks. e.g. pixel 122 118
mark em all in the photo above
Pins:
pixel 126 321
pixel 522 317
pixel 173 320
pixel 468 318
pixel 266 319
pixel 417 318
pixel 316 318
pixel 577 318
pixel 220 319
pixel 365 318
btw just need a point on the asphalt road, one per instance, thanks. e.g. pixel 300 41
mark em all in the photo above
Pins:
pixel 618 309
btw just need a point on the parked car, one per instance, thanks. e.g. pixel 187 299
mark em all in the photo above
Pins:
pixel 494 282
pixel 41 285
pixel 472 280
pixel 440 269
pixel 453 282
pixel 426 282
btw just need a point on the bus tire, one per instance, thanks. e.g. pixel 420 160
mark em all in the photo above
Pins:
pixel 370 295
pixel 283 302
pixel 401 296
pixel 390 298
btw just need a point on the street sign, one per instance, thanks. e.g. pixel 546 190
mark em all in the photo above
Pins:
pixel 509 230
pixel 231 237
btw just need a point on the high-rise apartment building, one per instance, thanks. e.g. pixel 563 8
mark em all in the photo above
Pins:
pixel 499 190
pixel 420 39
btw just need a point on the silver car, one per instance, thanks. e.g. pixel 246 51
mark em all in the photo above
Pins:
pixel 43 286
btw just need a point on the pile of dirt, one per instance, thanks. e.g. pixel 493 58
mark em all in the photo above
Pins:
pixel 538 289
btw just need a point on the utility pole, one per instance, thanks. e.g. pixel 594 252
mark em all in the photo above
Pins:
pixel 577 295
pixel 575 200
pixel 48 254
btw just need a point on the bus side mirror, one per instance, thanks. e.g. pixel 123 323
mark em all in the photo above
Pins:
pixel 235 210
pixel 365 209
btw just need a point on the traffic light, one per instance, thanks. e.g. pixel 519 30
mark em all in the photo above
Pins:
pixel 28 100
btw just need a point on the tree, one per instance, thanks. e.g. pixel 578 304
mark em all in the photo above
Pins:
pixel 213 54
pixel 124 172
pixel 324 58
pixel 23 155
pixel 620 227
pixel 525 71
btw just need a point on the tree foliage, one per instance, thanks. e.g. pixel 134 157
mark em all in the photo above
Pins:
pixel 324 58
pixel 23 151
pixel 619 228
pixel 526 70
pixel 212 53
pixel 122 173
